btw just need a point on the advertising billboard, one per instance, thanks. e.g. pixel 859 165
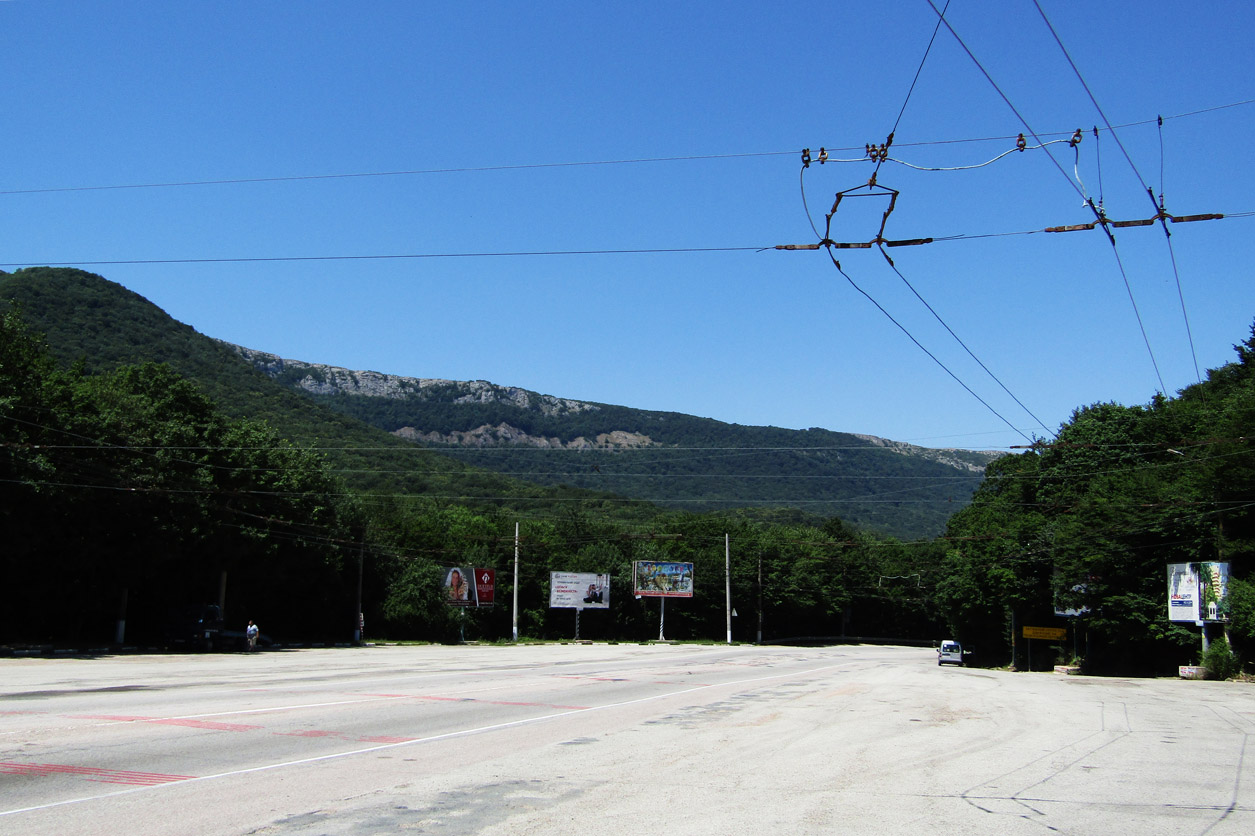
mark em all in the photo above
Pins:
pixel 1198 592
pixel 459 586
pixel 580 590
pixel 1182 592
pixel 1213 587
pixel 485 586
pixel 657 579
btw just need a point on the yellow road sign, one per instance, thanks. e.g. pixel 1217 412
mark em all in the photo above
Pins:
pixel 1057 633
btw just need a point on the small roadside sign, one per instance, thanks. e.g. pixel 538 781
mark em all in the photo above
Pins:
pixel 1055 633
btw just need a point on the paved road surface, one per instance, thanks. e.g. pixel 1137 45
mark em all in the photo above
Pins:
pixel 608 740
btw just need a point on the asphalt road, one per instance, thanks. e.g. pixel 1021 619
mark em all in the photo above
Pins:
pixel 612 739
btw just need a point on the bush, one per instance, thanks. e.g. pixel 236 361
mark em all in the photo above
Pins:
pixel 1221 662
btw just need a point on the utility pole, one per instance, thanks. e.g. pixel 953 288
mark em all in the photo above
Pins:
pixel 760 597
pixel 516 582
pixel 727 580
pixel 361 561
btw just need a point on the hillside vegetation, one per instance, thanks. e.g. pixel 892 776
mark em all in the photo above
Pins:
pixel 666 458
pixel 144 467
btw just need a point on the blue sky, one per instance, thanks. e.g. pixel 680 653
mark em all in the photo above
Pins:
pixel 579 128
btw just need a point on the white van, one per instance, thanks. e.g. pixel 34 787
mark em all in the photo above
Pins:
pixel 950 651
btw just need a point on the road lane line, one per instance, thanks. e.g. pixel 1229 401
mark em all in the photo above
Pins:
pixel 432 739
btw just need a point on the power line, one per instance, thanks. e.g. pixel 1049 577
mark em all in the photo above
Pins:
pixel 919 345
pixel 1098 213
pixel 381 256
pixel 567 164
pixel 625 251
pixel 920 69
pixel 1159 206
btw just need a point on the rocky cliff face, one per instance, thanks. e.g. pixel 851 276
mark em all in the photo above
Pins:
pixel 333 380
pixel 487 436
pixel 952 458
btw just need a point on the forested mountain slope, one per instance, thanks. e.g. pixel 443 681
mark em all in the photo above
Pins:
pixel 89 320
pixel 665 457
pixel 463 440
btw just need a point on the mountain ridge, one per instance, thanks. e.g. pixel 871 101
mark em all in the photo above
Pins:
pixel 508 446
pixel 324 379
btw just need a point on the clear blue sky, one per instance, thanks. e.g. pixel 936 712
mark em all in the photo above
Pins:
pixel 515 123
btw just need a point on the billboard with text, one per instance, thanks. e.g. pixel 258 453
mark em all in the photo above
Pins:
pixel 580 590
pixel 1198 592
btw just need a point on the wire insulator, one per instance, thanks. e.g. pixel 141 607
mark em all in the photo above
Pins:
pixel 1021 143
pixel 1076 138
pixel 806 158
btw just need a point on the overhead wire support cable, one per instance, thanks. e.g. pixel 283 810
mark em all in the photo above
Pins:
pixel 1159 205
pixel 381 256
pixel 881 242
pixel 644 251
pixel 564 164
pixel 883 155
pixel 1098 213
pixel 921 347
pixel 969 351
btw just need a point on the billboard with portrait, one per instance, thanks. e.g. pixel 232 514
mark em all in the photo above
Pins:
pixel 459 586
pixel 660 579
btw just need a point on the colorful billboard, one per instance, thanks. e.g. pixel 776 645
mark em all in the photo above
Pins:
pixel 1213 584
pixel 1198 592
pixel 459 586
pixel 651 578
pixel 581 590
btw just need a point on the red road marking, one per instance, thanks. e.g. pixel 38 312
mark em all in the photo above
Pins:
pixel 310 733
pixel 169 721
pixel 205 724
pixel 90 773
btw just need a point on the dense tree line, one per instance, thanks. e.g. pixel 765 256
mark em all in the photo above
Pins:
pixel 1088 522
pixel 128 490
pixel 127 494
pixel 124 495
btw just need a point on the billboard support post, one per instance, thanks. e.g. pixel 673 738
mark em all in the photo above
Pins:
pixel 662 618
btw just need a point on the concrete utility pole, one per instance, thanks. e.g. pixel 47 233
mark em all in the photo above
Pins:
pixel 760 599
pixel 727 575
pixel 359 621
pixel 516 582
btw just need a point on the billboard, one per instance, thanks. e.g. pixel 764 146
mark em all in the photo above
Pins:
pixel 1213 584
pixel 459 586
pixel 581 590
pixel 659 579
pixel 485 586
pixel 1198 592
